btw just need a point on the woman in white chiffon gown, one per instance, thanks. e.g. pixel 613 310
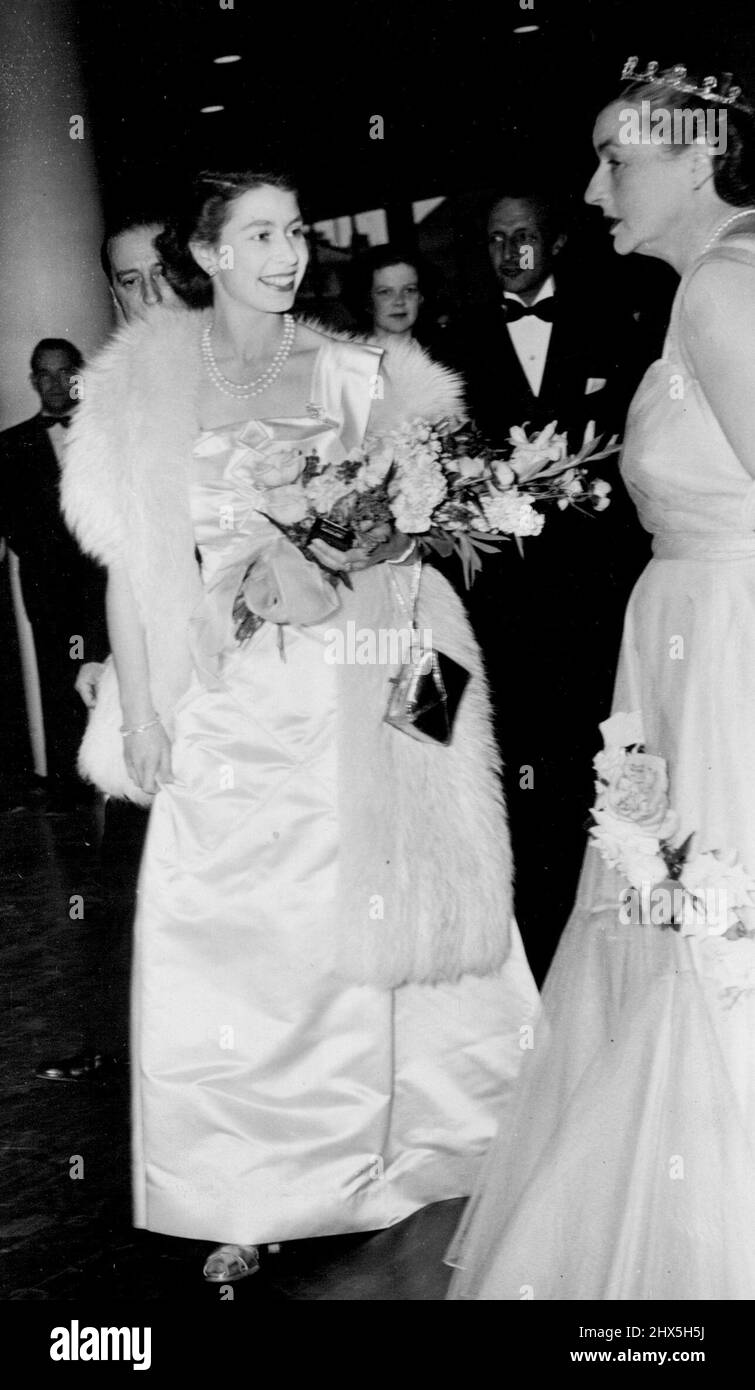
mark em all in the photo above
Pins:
pixel 328 987
pixel 628 1170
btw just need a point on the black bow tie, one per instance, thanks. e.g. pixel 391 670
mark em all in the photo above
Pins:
pixel 49 420
pixel 545 310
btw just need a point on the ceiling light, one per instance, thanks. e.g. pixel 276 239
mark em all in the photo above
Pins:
pixel 207 110
pixel 527 29
pixel 228 58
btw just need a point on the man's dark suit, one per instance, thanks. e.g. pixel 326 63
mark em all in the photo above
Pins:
pixel 63 591
pixel 549 623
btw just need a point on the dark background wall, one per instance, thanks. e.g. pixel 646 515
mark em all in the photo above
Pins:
pixel 461 94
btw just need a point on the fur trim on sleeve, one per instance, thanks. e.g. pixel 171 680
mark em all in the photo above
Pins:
pixel 146 366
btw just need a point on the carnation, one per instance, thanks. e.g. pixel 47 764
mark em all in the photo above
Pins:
pixel 411 517
pixel 418 490
pixel 513 515
pixel 324 491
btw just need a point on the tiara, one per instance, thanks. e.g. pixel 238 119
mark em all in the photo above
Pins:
pixel 710 89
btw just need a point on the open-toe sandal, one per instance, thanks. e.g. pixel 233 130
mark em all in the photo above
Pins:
pixel 229 1263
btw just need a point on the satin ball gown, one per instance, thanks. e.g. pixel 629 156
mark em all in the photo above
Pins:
pixel 627 1169
pixel 273 1100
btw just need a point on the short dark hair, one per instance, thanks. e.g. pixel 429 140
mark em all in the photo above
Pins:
pixel 126 222
pixel 55 345
pixel 202 217
pixel 551 202
pixel 380 257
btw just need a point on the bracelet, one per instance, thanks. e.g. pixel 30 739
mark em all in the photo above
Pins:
pixel 401 558
pixel 140 728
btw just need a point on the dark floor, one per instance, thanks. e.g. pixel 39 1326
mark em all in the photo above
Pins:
pixel 64 1237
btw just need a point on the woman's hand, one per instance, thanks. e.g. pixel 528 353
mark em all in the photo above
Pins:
pixel 381 544
pixel 147 758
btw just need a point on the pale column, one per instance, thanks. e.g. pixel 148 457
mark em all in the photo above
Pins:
pixel 51 284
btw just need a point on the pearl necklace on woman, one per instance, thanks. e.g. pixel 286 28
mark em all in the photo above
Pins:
pixel 743 212
pixel 244 390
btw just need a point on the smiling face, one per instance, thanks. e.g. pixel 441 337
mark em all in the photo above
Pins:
pixel 136 272
pixel 395 298
pixel 262 253
pixel 645 190
pixel 521 248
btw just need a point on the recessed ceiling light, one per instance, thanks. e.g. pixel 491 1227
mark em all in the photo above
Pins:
pixel 527 29
pixel 207 110
pixel 228 58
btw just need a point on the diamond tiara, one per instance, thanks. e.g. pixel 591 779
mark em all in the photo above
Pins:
pixel 710 89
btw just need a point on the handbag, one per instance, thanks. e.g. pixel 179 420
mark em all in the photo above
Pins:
pixel 429 686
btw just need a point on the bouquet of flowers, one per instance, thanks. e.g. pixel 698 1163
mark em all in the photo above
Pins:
pixel 705 894
pixel 444 486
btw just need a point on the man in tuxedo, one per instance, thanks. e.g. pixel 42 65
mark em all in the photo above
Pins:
pixel 134 270
pixel 549 622
pixel 542 349
pixel 63 592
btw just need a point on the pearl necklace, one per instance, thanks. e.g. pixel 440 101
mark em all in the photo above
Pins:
pixel 744 212
pixel 244 390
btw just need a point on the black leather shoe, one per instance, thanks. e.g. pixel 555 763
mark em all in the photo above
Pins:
pixel 85 1066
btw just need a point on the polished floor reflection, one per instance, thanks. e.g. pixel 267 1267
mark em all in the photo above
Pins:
pixel 65 1230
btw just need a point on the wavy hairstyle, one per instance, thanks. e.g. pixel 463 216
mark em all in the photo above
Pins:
pixel 734 169
pixel 201 218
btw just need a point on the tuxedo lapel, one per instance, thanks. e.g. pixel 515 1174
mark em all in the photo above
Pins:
pixel 513 372
pixel 511 397
pixel 562 392
pixel 556 362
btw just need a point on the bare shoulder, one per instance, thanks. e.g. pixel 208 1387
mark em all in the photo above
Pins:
pixel 720 289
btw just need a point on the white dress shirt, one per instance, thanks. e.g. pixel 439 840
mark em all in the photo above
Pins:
pixel 531 337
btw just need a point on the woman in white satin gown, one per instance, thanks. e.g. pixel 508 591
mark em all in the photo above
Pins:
pixel 627 1170
pixel 329 989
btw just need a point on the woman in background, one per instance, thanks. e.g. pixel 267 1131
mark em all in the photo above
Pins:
pixel 394 298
